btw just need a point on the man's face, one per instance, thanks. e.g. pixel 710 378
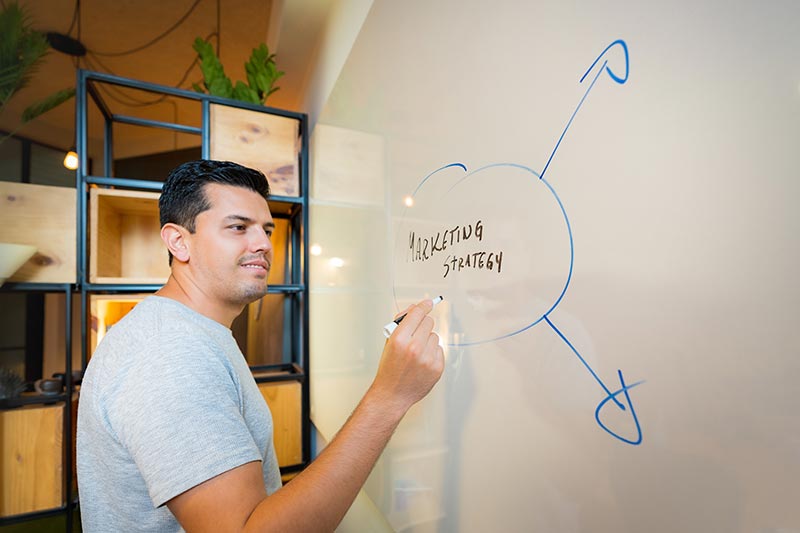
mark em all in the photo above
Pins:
pixel 230 251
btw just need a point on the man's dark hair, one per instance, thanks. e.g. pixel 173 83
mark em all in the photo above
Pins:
pixel 183 196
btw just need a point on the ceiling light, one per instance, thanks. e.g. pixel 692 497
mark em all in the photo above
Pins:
pixel 71 160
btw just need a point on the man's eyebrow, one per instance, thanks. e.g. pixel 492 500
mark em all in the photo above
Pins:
pixel 247 220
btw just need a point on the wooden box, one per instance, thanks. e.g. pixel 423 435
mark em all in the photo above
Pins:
pixel 285 401
pixel 45 217
pixel 31 455
pixel 124 238
pixel 269 143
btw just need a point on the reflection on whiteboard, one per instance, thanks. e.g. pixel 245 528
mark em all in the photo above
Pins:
pixel 505 270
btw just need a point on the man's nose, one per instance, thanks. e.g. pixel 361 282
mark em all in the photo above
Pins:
pixel 262 242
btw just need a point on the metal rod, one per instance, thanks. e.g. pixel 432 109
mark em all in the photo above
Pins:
pixel 84 340
pixel 33 287
pixel 205 125
pixel 98 99
pixel 108 148
pixel 122 287
pixel 304 353
pixel 81 145
pixel 189 95
pixel 125 182
pixel 136 121
pixel 67 478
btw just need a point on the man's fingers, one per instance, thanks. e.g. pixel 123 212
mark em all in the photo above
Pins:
pixel 414 318
pixel 403 312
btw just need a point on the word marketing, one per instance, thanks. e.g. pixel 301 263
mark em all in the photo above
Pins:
pixel 424 248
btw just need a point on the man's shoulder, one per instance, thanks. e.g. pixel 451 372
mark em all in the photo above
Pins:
pixel 157 331
pixel 156 317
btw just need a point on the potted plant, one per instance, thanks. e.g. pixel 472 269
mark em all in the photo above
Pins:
pixel 22 50
pixel 257 139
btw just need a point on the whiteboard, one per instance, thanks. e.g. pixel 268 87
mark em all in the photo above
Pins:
pixel 629 360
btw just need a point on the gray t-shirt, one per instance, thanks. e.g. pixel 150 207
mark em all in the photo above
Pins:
pixel 167 402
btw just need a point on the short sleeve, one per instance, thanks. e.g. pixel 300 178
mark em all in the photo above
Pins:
pixel 178 413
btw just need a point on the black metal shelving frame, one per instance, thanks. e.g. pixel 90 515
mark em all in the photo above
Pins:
pixel 294 209
pixel 69 499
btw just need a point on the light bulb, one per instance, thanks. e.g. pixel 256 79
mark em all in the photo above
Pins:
pixel 71 160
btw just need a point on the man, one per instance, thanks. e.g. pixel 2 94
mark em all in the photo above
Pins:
pixel 172 430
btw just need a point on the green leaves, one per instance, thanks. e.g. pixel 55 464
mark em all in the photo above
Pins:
pixel 21 51
pixel 214 78
pixel 262 73
pixel 43 106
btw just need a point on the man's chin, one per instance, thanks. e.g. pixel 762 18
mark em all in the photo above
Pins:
pixel 252 294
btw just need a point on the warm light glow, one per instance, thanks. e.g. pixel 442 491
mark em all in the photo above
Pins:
pixel 316 249
pixel 336 262
pixel 71 160
pixel 409 201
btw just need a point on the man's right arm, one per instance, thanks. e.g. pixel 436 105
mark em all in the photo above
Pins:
pixel 318 498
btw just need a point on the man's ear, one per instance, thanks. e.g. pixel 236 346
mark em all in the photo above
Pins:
pixel 175 237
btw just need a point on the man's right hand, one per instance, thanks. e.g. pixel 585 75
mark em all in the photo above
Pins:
pixel 412 361
pixel 317 499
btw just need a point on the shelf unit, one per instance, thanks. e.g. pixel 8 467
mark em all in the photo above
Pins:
pixel 37 438
pixel 36 430
pixel 118 219
pixel 117 214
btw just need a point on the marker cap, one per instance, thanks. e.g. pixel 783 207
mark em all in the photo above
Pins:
pixel 389 328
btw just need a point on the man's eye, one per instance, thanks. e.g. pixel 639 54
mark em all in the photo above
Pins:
pixel 238 227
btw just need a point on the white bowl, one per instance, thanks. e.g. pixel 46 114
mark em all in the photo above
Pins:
pixel 12 257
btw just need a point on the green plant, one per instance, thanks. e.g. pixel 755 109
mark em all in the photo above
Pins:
pixel 262 73
pixel 22 51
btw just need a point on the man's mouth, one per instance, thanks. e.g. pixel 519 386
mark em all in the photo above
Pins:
pixel 257 264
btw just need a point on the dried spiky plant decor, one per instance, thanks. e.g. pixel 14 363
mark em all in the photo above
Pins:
pixel 11 384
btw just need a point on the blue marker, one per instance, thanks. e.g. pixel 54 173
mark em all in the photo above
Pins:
pixel 389 328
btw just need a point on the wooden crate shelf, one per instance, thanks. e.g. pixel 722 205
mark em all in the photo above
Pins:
pixel 45 217
pixel 269 143
pixel 285 401
pixel 124 238
pixel 31 455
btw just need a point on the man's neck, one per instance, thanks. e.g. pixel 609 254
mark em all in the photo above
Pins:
pixel 190 295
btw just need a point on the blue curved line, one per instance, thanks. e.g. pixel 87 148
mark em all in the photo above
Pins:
pixel 569 123
pixel 449 165
pixel 625 389
pixel 490 165
pixel 571 247
pixel 607 68
pixel 434 172
pixel 571 252
pixel 589 368
pixel 600 71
